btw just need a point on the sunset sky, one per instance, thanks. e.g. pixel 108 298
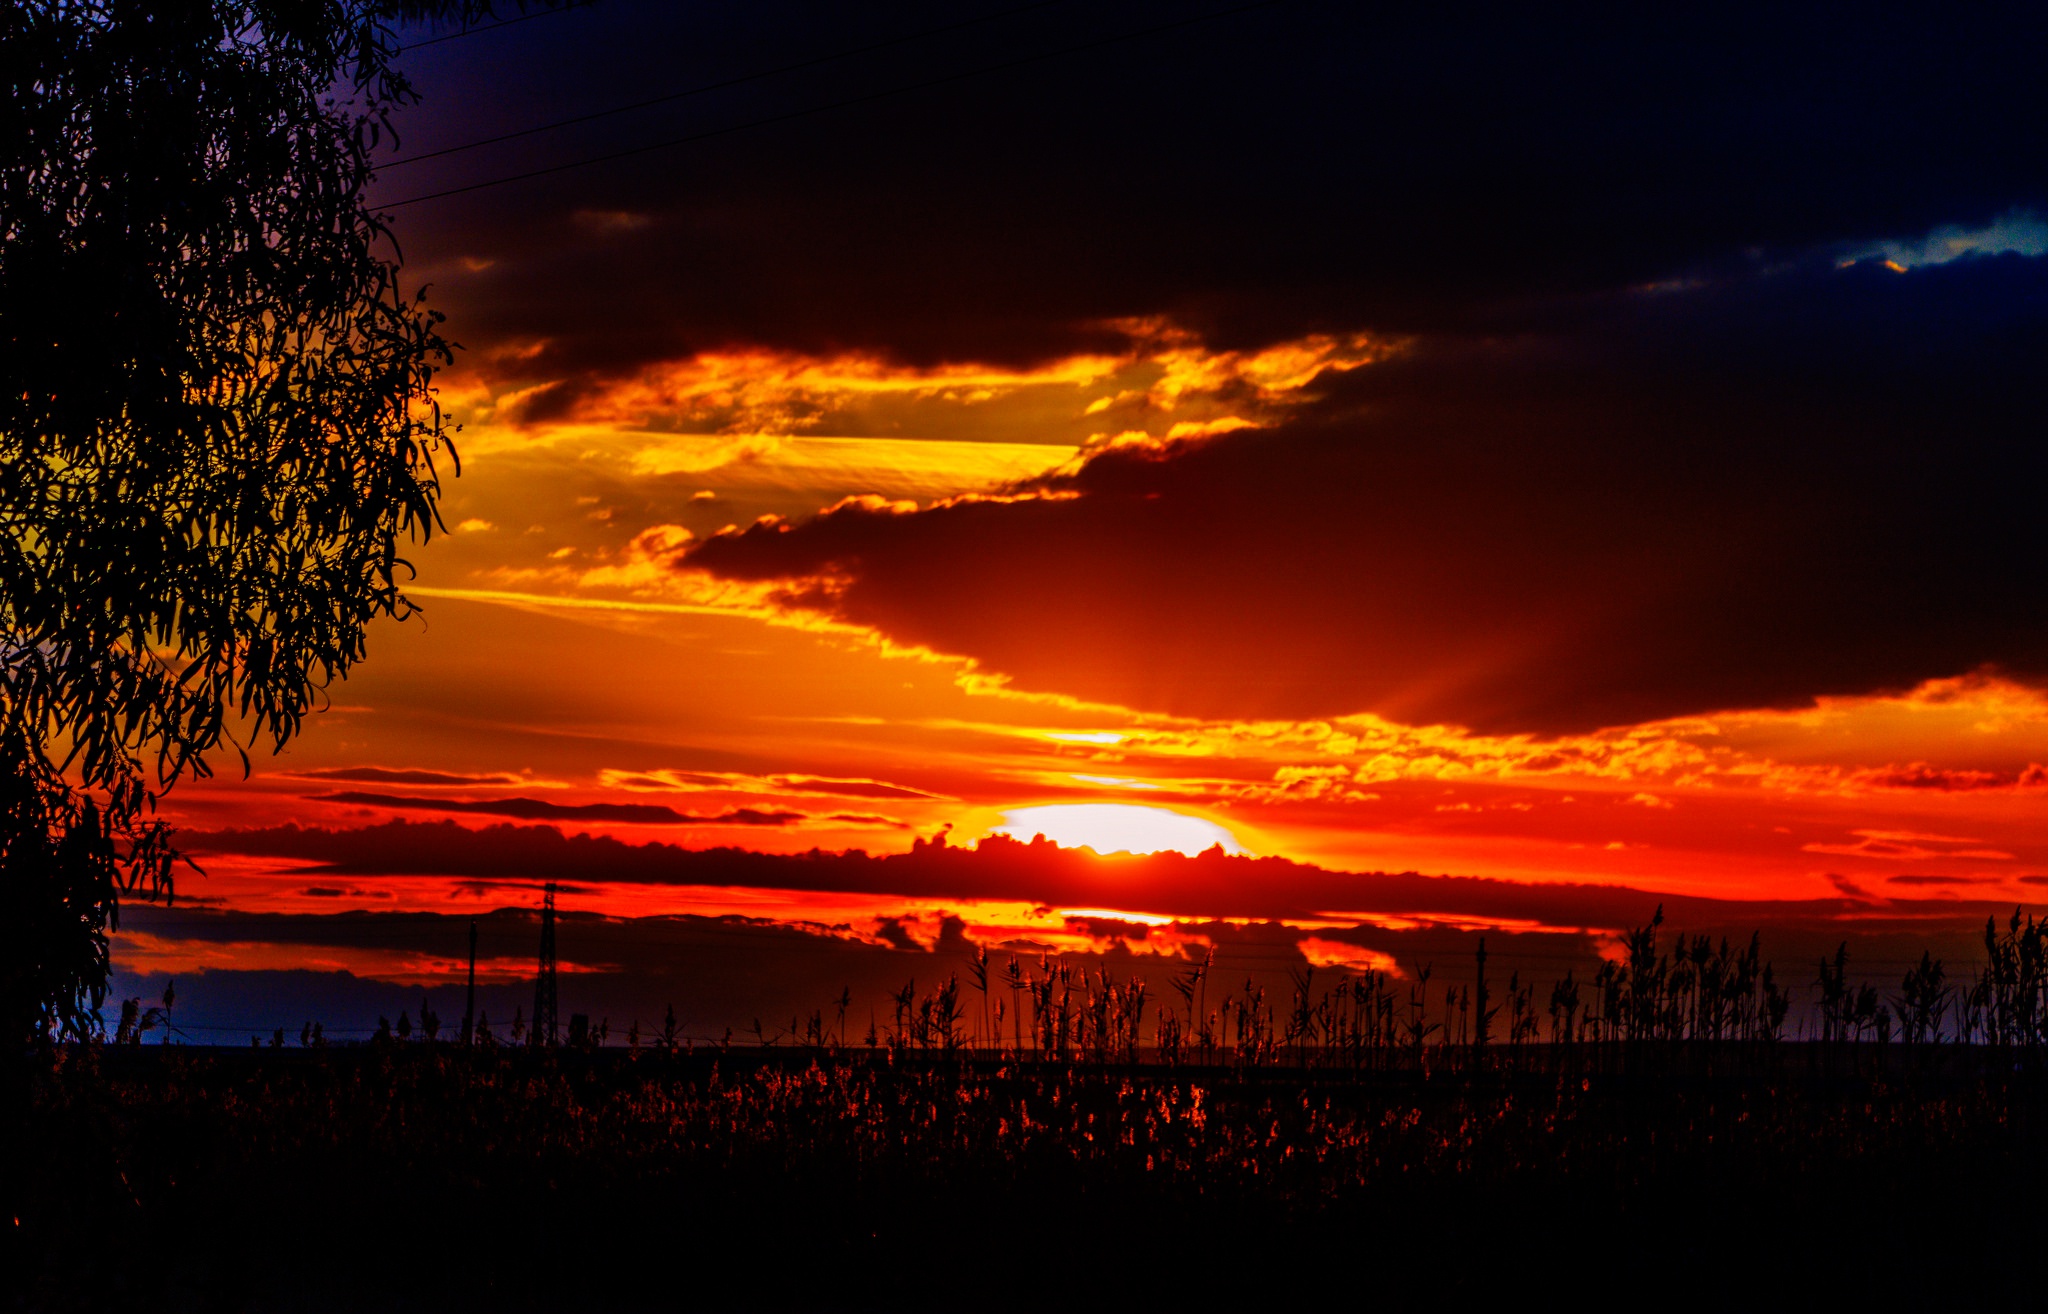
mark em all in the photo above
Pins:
pixel 1584 461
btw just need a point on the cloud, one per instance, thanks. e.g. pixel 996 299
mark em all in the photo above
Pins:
pixel 607 223
pixel 388 776
pixel 1265 175
pixel 2017 230
pixel 742 782
pixel 1210 886
pixel 533 809
pixel 343 892
pixel 869 819
pixel 1790 484
pixel 1848 888
pixel 1907 846
pixel 896 936
pixel 1949 780
pixel 1322 951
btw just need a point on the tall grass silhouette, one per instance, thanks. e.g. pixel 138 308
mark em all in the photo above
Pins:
pixel 1660 1106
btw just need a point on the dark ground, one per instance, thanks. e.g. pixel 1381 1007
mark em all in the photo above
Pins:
pixel 416 1178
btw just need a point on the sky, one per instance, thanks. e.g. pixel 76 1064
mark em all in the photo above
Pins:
pixel 1493 472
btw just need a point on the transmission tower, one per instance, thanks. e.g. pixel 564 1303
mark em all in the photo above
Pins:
pixel 544 980
pixel 469 1001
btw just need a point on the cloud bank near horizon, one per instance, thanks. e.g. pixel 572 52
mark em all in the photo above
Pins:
pixel 1206 887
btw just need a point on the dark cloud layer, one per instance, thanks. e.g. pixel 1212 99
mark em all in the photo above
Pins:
pixel 1297 167
pixel 1786 483
pixel 1572 505
pixel 1213 885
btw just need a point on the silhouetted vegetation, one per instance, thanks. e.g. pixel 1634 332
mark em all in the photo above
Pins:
pixel 499 1177
pixel 1690 994
pixel 216 427
pixel 1021 1133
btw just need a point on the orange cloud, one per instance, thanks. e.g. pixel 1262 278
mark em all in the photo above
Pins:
pixel 1347 957
pixel 668 780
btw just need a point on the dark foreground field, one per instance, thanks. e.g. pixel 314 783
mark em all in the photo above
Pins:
pixel 403 1178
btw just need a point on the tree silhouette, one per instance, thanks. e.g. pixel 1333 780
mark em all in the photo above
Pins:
pixel 217 427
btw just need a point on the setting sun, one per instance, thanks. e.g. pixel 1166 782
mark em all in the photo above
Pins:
pixel 1117 828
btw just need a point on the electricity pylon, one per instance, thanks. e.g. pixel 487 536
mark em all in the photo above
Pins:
pixel 469 1001
pixel 544 980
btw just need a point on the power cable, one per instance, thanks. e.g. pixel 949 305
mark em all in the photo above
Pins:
pixel 721 86
pixel 492 27
pixel 793 115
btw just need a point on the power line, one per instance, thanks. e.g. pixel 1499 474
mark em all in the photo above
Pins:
pixel 793 115
pixel 492 27
pixel 721 86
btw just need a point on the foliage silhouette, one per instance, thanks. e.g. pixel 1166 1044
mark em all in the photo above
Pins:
pixel 1670 1121
pixel 217 425
pixel 821 1168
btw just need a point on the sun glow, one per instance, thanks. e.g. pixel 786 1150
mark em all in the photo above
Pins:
pixel 1117 828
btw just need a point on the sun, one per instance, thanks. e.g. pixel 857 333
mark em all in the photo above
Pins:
pixel 1117 828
